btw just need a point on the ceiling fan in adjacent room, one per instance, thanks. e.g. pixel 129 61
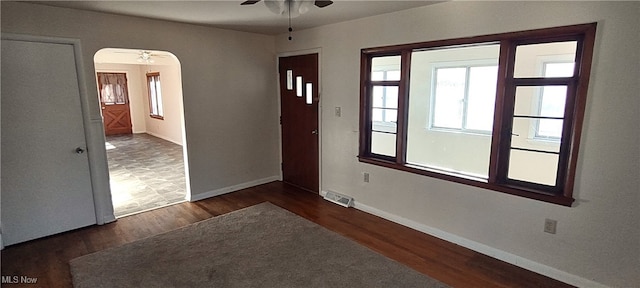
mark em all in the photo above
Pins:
pixel 290 8
pixel 140 56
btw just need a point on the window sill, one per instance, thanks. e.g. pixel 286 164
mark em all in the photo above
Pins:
pixel 472 181
pixel 156 117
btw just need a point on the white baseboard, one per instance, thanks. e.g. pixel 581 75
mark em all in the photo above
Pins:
pixel 481 248
pixel 162 137
pixel 233 188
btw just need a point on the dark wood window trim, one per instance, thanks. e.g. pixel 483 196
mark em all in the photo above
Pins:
pixel 497 180
pixel 151 75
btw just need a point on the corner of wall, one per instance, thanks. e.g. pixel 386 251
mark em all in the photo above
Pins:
pixel 233 188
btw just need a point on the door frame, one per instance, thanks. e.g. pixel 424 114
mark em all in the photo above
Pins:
pixel 176 64
pixel 94 136
pixel 297 53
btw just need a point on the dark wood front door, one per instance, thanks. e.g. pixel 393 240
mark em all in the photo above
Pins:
pixel 299 119
pixel 114 102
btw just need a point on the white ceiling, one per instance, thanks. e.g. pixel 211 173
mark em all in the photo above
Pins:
pixel 132 56
pixel 255 18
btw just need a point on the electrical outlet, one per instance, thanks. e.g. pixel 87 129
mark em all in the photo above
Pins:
pixel 550 226
pixel 365 177
pixel 338 112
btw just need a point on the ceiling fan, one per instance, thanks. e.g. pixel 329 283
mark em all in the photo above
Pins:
pixel 144 56
pixel 290 8
pixel 318 3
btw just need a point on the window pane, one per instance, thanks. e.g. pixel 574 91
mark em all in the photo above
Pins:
pixel 377 75
pixel 391 115
pixel 438 77
pixel 539 168
pixel 449 97
pixel 385 104
pixel 377 114
pixel 107 94
pixel 152 96
pixel 383 143
pixel 541 101
pixel 481 97
pixel 160 111
pixel 529 58
pixel 553 100
pixel 552 105
pixel 562 69
pixel 393 75
pixel 380 65
pixel 391 97
pixel 549 128
pixel 378 96
pixel 120 94
pixel 385 96
pixel 289 79
pixel 299 86
pixel 522 136
pixel 309 94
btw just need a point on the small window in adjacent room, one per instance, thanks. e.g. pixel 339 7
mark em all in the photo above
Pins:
pixel 502 112
pixel 155 95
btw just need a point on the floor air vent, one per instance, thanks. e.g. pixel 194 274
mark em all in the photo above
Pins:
pixel 339 199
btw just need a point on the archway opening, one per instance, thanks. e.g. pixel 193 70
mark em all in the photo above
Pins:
pixel 140 96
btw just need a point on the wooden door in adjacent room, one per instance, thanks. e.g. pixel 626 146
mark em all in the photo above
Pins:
pixel 299 120
pixel 114 102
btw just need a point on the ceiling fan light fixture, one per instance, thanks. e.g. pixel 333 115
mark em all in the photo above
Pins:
pixel 283 7
pixel 145 57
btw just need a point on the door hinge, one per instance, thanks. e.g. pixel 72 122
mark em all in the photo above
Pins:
pixel 280 120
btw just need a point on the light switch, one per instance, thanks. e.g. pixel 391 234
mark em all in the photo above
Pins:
pixel 338 112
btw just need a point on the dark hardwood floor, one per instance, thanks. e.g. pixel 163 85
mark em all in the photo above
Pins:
pixel 47 259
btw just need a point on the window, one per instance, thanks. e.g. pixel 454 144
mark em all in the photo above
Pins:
pixel 385 76
pixel 113 88
pixel 155 96
pixel 463 97
pixel 502 112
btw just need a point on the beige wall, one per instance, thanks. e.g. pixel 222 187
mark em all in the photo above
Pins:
pixel 230 107
pixel 232 127
pixel 598 238
pixel 169 128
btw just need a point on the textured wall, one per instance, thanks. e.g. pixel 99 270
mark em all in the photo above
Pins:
pixel 228 82
pixel 598 239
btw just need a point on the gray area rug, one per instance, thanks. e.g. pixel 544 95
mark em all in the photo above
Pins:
pixel 259 246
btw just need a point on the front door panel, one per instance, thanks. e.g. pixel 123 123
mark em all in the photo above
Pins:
pixel 299 108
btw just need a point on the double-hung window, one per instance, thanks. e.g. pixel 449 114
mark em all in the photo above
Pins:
pixel 502 112
pixel 463 96
pixel 155 96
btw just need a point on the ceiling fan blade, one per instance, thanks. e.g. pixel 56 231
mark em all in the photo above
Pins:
pixel 323 3
pixel 249 2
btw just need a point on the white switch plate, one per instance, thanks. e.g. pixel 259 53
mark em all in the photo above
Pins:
pixel 338 112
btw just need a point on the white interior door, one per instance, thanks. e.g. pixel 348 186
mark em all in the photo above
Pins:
pixel 46 184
